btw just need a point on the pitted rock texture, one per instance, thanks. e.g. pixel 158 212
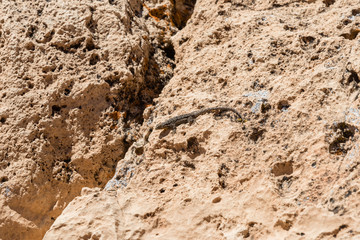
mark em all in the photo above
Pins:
pixel 75 77
pixel 289 171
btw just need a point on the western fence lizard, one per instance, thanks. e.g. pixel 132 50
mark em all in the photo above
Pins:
pixel 172 123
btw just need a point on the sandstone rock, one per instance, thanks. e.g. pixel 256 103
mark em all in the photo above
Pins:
pixel 84 83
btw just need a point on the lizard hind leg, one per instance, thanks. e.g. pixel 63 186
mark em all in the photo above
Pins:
pixel 191 120
pixel 221 112
pixel 173 128
pixel 218 112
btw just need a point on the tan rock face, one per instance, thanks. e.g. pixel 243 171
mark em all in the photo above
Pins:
pixel 77 80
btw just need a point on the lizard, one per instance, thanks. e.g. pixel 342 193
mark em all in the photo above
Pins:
pixel 172 123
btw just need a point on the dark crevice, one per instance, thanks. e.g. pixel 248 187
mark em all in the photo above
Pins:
pixel 181 12
pixel 160 69
pixel 353 77
pixel 90 23
pixel 137 92
pixel 90 45
pixel 67 160
pixel 350 78
pixel 169 50
pixel 133 99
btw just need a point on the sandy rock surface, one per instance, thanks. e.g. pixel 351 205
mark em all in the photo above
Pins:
pixel 84 83
pixel 75 78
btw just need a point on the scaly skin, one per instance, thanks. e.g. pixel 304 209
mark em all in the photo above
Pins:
pixel 172 123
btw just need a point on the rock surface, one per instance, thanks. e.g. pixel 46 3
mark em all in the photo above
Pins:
pixel 83 83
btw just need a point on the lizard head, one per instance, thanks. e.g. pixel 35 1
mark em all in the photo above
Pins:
pixel 161 126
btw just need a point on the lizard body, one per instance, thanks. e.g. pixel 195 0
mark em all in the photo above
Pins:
pixel 172 123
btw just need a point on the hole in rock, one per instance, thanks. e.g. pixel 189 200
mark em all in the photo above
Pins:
pixel 139 151
pixel 31 31
pixel 30 46
pixel 169 50
pixel 94 59
pixel 193 147
pixel 90 45
pixel 67 91
pixel 284 225
pixel 352 35
pixel 342 133
pixel 265 107
pixel 355 12
pixel 192 144
pixel 353 77
pixel 307 39
pixel 256 134
pixel 4 179
pixel 282 168
pixel 30 85
pixel 55 109
pixel 283 105
pixel 328 2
